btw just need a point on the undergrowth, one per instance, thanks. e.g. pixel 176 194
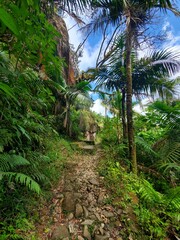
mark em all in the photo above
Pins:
pixel 18 205
pixel 146 212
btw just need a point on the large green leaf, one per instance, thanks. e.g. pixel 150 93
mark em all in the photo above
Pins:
pixel 22 179
pixel 9 21
pixel 5 88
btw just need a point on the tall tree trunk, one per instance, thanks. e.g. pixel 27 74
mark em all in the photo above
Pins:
pixel 131 140
pixel 66 122
pixel 123 115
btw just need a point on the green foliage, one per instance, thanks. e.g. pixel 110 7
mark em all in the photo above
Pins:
pixel 112 129
pixel 12 162
pixel 8 21
pixel 157 213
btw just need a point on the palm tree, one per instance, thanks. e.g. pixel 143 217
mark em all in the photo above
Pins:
pixel 66 99
pixel 134 15
pixel 150 76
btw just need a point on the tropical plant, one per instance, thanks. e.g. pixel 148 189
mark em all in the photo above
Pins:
pixel 66 98
pixel 134 15
pixel 168 145
pixel 150 76
pixel 8 164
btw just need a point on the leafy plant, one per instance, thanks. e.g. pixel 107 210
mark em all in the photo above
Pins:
pixel 11 162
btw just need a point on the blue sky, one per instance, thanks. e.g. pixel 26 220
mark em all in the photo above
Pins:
pixel 168 22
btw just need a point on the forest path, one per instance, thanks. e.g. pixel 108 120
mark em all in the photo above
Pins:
pixel 79 209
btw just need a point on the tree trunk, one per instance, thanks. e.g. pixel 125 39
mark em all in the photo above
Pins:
pixel 131 140
pixel 66 122
pixel 123 115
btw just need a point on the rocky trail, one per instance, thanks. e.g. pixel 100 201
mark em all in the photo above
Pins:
pixel 79 209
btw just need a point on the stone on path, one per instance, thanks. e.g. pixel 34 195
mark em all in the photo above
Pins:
pixel 107 214
pixel 60 232
pixel 101 197
pixel 86 213
pixel 87 222
pixel 80 238
pixel 70 216
pixel 86 233
pixel 100 237
pixel 93 181
pixel 79 210
pixel 68 203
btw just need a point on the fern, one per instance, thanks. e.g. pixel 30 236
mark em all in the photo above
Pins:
pixel 11 162
pixel 22 179
pixel 170 166
pixel 170 156
pixel 172 198
pixel 8 161
pixel 147 193
pixel 34 172
pixel 146 147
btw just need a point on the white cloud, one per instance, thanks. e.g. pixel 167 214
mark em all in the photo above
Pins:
pixel 98 108
pixel 166 26
pixel 90 53
pixel 171 39
pixel 141 108
pixel 144 50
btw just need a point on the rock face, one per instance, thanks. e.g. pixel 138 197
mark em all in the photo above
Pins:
pixel 63 49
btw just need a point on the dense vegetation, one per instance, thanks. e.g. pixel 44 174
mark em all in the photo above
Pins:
pixel 153 196
pixel 38 110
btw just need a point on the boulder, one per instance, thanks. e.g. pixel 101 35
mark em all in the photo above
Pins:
pixel 60 232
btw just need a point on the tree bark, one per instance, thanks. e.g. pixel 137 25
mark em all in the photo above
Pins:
pixel 131 140
pixel 123 115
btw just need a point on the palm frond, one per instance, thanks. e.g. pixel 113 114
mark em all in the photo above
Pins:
pixel 71 5
pixel 166 60
pixel 173 154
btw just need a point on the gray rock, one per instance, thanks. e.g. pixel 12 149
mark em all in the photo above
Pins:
pixel 90 197
pixel 101 230
pixel 59 196
pixel 60 232
pixel 79 210
pixel 101 197
pixel 93 217
pixel 86 213
pixel 80 238
pixel 77 196
pixel 70 216
pixel 93 181
pixel 68 186
pixel 107 214
pixel 71 227
pixel 120 211
pixel 98 217
pixel 87 222
pixel 68 202
pixel 86 233
pixel 101 237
